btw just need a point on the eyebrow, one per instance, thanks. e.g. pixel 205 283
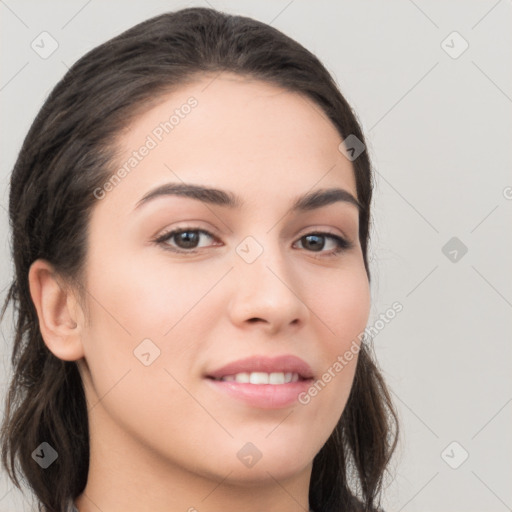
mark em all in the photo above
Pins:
pixel 309 201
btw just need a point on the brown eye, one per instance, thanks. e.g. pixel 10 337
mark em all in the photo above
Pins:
pixel 316 242
pixel 184 239
pixel 313 242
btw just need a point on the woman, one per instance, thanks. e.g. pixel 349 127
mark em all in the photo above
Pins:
pixel 190 214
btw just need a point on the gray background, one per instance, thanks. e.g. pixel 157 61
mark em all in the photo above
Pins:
pixel 439 134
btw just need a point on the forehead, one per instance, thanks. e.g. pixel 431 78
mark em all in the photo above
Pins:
pixel 231 132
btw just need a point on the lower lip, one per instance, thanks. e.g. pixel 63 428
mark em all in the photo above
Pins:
pixel 263 396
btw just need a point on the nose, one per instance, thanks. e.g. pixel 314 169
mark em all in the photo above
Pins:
pixel 267 294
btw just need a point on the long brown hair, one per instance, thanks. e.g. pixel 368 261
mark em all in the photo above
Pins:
pixel 67 154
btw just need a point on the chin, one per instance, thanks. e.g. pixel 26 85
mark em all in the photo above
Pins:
pixel 273 460
pixel 280 468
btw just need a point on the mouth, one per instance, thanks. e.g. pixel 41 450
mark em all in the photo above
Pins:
pixel 263 382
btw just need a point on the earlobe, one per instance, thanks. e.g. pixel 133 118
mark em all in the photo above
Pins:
pixel 56 310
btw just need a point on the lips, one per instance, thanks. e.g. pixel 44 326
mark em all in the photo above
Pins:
pixel 262 382
pixel 287 364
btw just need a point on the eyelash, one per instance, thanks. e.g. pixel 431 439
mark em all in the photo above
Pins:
pixel 162 240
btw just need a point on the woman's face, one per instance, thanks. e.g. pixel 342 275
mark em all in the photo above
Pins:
pixel 167 313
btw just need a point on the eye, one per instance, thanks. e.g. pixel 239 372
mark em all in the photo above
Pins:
pixel 188 239
pixel 316 242
pixel 185 239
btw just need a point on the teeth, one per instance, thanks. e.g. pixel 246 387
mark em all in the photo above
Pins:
pixel 258 378
pixel 276 378
pixel 262 378
pixel 242 377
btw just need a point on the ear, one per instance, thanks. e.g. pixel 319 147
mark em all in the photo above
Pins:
pixel 57 310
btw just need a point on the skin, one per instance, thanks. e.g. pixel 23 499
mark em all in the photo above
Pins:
pixel 161 438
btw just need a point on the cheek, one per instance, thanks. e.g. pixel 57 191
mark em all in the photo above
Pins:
pixel 343 309
pixel 342 304
pixel 150 296
pixel 134 299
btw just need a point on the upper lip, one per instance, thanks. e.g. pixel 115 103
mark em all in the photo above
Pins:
pixel 285 364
